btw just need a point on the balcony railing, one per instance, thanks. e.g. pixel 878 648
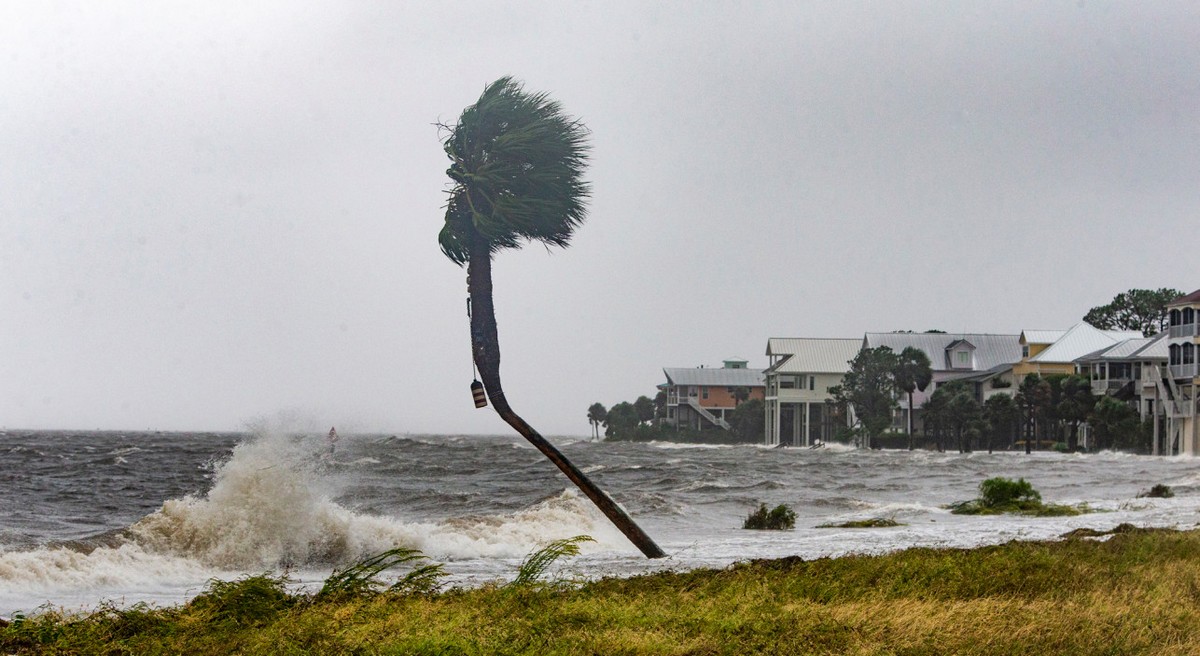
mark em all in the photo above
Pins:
pixel 1183 330
pixel 1185 370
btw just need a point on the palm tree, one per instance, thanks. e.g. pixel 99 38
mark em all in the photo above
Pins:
pixel 517 164
pixel 597 413
pixel 913 372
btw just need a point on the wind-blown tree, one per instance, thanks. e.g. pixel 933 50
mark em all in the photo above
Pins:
pixel 748 421
pixel 934 419
pixel 644 408
pixel 1075 403
pixel 1136 309
pixel 1113 423
pixel 953 407
pixel 1030 398
pixel 597 413
pixel 1003 419
pixel 622 419
pixel 517 162
pixel 869 387
pixel 913 372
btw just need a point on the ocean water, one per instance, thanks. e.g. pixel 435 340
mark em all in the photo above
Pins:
pixel 130 517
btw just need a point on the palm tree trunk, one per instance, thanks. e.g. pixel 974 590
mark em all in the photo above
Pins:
pixel 485 346
pixel 910 422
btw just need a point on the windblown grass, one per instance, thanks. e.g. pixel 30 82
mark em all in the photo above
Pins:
pixel 362 578
pixel 1135 593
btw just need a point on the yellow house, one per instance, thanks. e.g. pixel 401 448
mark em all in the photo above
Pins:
pixel 1033 342
pixel 1049 352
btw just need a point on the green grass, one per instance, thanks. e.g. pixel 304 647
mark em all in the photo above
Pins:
pixel 1135 593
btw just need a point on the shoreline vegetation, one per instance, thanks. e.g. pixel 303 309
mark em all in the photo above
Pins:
pixel 1128 590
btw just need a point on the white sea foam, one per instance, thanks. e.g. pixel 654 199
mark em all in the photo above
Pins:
pixel 269 507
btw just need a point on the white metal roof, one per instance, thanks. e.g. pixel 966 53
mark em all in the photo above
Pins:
pixel 1080 340
pixel 812 355
pixel 715 376
pixel 1142 348
pixel 990 350
pixel 1042 336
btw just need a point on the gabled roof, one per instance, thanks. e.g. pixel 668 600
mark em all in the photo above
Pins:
pixel 812 355
pixel 990 350
pixel 1080 340
pixel 1042 336
pixel 1186 299
pixel 715 376
pixel 959 342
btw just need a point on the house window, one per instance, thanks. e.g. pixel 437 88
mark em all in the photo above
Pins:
pixel 812 382
pixel 704 392
pixel 1025 352
pixel 964 358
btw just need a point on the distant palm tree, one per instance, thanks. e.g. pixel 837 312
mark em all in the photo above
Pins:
pixel 913 372
pixel 597 414
pixel 517 164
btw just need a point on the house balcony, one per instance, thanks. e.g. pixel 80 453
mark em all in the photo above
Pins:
pixel 1110 385
pixel 1183 330
pixel 1184 370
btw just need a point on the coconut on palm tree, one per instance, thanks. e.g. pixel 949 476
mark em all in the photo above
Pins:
pixel 516 161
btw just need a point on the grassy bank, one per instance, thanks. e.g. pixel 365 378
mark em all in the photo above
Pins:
pixel 1137 592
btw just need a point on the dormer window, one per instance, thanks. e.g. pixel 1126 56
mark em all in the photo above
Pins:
pixel 963 358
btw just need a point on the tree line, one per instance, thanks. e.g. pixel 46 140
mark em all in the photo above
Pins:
pixel 643 421
pixel 1045 411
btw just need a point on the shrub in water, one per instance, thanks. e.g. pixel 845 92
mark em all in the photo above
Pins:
pixel 1159 491
pixel 779 518
pixel 1002 492
pixel 1004 495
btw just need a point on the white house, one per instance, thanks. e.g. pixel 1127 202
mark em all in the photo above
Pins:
pixel 798 379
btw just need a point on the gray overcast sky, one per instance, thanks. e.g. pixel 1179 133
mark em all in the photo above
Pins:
pixel 215 212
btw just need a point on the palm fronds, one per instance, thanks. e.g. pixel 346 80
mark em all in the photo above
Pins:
pixel 517 163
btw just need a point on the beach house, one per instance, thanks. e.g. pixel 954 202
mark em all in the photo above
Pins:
pixel 1182 378
pixel 702 398
pixel 798 379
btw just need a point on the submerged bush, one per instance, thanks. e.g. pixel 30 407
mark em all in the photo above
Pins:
pixel 1159 491
pixel 1001 492
pixel 779 518
pixel 1004 495
pixel 874 522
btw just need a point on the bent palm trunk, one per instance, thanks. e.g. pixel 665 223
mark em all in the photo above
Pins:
pixel 485 346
